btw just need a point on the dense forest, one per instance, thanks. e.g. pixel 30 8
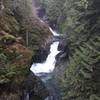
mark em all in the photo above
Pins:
pixel 23 36
pixel 80 21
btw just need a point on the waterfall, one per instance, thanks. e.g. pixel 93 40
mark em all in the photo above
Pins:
pixel 49 65
pixel 45 70
pixel 54 32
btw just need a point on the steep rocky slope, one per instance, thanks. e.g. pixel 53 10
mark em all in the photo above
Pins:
pixel 22 35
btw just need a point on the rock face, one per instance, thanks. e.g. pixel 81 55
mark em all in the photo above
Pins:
pixel 22 35
pixel 61 59
pixel 34 88
pixel 40 56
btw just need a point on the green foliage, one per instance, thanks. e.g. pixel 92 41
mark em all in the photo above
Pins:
pixel 82 72
pixel 9 23
pixel 7 56
pixel 10 72
pixel 80 20
pixel 3 58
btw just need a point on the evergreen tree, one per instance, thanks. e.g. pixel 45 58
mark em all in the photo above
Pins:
pixel 80 21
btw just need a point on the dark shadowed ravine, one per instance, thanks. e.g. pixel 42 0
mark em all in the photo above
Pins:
pixel 45 70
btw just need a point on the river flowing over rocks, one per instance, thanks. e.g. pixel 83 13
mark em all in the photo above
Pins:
pixel 45 70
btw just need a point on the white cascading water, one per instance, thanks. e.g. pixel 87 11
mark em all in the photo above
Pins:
pixel 44 70
pixel 54 32
pixel 49 65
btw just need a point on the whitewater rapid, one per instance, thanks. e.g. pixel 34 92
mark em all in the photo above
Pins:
pixel 49 65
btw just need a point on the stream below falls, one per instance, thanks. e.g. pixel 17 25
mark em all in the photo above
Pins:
pixel 45 70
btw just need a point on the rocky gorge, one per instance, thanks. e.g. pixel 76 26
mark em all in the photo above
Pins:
pixel 49 50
